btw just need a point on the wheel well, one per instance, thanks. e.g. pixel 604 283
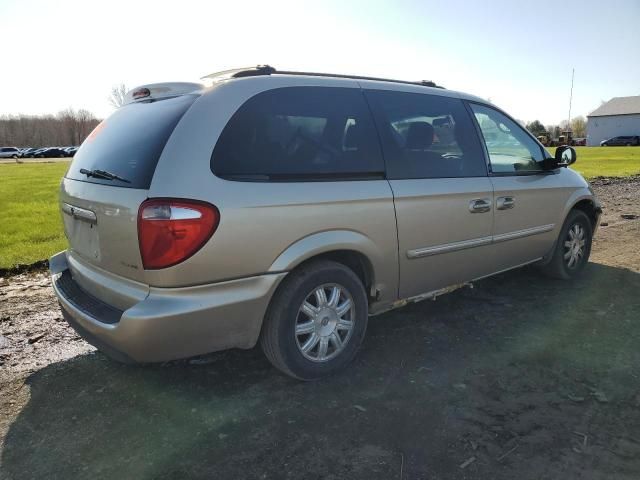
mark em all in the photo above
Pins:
pixel 356 261
pixel 589 208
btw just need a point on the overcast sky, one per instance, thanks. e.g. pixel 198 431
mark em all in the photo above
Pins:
pixel 68 53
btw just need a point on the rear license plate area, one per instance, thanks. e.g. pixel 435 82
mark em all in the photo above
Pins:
pixel 82 232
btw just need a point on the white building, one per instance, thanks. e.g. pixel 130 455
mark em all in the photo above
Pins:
pixel 619 116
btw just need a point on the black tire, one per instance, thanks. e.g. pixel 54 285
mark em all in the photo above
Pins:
pixel 604 145
pixel 278 338
pixel 559 266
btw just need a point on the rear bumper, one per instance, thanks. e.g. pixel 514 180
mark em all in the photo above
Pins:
pixel 169 323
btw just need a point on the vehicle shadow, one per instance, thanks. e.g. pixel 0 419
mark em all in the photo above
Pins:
pixel 502 373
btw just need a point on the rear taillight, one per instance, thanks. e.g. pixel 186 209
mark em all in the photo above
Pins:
pixel 170 231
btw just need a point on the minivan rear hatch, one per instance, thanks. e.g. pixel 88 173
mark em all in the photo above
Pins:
pixel 110 177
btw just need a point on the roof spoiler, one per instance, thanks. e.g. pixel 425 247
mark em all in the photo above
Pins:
pixel 158 91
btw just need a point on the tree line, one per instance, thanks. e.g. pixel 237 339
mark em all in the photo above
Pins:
pixel 578 127
pixel 67 127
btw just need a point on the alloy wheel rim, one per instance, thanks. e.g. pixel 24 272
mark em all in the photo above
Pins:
pixel 574 246
pixel 325 322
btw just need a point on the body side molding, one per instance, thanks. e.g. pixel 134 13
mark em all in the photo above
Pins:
pixel 478 242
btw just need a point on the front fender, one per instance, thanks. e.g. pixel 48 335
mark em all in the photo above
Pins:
pixel 576 197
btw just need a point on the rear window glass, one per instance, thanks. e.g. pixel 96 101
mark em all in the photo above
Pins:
pixel 129 142
pixel 426 136
pixel 300 133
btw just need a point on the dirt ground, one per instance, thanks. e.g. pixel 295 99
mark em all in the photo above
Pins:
pixel 520 377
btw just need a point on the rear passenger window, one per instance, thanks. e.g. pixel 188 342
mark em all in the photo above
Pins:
pixel 300 133
pixel 426 136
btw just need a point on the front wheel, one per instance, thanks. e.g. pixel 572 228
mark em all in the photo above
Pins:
pixel 316 321
pixel 573 247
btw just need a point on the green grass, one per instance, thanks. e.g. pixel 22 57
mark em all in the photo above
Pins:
pixel 31 227
pixel 30 223
pixel 606 161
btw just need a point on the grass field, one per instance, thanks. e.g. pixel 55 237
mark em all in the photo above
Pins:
pixel 31 228
pixel 30 223
pixel 606 161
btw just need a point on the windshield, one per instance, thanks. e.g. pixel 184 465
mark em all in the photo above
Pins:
pixel 129 142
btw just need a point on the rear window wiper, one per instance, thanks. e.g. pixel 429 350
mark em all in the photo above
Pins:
pixel 103 174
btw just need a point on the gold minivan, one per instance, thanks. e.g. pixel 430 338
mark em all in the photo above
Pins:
pixel 287 207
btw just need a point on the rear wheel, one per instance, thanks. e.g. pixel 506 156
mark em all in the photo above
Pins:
pixel 316 321
pixel 573 248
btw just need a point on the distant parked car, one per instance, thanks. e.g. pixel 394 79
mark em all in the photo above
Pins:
pixel 70 151
pixel 579 142
pixel 39 153
pixel 624 140
pixel 9 152
pixel 27 152
pixel 55 152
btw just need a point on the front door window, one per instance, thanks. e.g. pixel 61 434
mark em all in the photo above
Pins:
pixel 511 149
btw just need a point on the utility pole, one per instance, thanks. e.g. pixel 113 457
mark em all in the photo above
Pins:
pixel 573 71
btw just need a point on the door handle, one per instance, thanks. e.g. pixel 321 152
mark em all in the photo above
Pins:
pixel 505 203
pixel 480 205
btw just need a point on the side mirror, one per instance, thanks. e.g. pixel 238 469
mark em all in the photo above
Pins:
pixel 565 156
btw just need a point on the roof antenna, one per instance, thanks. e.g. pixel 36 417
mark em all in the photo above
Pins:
pixel 573 71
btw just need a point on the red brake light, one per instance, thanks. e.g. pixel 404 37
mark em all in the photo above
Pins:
pixel 170 231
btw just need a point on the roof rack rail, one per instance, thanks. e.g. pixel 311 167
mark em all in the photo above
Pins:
pixel 424 83
pixel 241 72
pixel 269 70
